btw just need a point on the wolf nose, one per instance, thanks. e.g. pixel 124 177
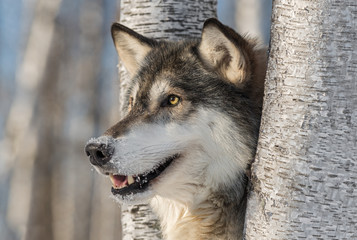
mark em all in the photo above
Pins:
pixel 99 153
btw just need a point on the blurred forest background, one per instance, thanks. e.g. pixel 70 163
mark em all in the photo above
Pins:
pixel 58 87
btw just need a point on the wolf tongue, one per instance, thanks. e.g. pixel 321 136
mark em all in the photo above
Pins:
pixel 119 181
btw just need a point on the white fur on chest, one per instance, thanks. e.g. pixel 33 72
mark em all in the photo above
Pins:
pixel 179 221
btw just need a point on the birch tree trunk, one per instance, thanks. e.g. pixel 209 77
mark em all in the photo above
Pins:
pixel 22 133
pixel 50 192
pixel 161 20
pixel 304 175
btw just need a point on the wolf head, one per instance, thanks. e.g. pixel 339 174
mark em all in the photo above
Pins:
pixel 191 118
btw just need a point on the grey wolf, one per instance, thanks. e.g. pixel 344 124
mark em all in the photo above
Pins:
pixel 189 132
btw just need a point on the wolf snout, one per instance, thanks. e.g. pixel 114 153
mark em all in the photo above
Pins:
pixel 99 153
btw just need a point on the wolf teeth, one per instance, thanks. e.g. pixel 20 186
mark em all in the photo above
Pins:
pixel 130 180
pixel 118 185
pixel 111 176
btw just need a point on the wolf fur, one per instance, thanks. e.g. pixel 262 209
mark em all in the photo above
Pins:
pixel 190 129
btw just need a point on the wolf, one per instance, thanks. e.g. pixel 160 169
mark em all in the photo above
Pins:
pixel 189 134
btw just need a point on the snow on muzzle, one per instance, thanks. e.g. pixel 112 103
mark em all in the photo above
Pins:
pixel 99 152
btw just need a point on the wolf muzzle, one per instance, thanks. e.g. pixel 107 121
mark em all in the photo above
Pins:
pixel 99 153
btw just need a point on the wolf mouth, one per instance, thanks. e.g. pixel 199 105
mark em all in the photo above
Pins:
pixel 124 185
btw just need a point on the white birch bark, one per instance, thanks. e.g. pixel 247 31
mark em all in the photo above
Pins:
pixel 162 20
pixel 304 175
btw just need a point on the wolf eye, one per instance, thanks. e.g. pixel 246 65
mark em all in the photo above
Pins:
pixel 173 100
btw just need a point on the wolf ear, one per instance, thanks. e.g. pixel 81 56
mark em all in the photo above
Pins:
pixel 131 46
pixel 223 50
